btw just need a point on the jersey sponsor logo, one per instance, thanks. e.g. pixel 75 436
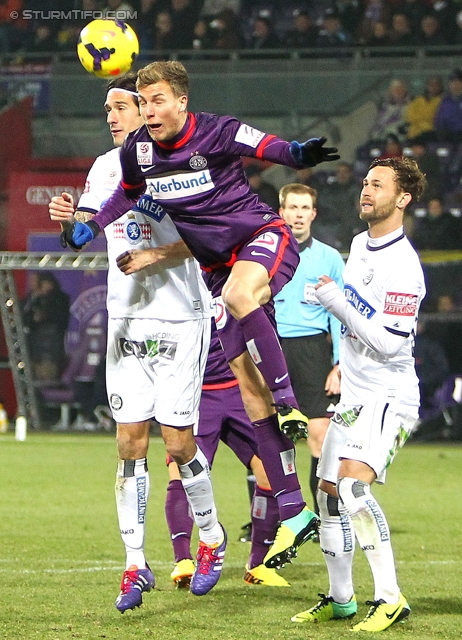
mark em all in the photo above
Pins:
pixel 115 401
pixel 148 349
pixel 400 304
pixel 149 207
pixel 257 253
pixel 360 304
pixel 146 169
pixel 219 312
pixel 144 153
pixel 278 380
pixel 259 507
pixel 249 136
pixel 198 162
pixel 181 185
pixel 266 241
pixel 119 231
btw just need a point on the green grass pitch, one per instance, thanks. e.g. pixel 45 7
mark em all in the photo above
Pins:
pixel 61 557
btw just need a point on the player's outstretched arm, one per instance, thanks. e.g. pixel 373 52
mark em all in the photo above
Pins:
pixel 168 255
pixel 312 152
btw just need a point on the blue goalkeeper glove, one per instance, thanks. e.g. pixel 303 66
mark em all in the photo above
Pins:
pixel 79 233
pixel 312 152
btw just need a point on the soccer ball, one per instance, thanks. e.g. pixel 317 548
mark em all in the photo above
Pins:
pixel 107 48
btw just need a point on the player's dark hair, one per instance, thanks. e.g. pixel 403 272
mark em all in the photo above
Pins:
pixel 127 82
pixel 171 71
pixel 297 188
pixel 407 175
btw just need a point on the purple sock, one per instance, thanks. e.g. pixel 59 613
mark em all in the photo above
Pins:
pixel 265 518
pixel 179 520
pixel 265 350
pixel 277 453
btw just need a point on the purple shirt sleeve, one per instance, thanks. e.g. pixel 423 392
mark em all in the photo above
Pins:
pixel 121 201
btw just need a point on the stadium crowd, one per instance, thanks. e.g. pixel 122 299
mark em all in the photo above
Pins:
pixel 162 25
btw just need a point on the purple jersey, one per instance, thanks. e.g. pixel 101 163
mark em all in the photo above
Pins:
pixel 198 179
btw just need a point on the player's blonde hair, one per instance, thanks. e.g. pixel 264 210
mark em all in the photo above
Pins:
pixel 172 71
pixel 297 188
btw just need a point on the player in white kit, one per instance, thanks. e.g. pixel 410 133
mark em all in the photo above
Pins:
pixel 158 338
pixel 379 401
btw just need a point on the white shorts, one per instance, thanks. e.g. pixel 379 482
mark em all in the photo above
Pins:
pixel 155 368
pixel 372 434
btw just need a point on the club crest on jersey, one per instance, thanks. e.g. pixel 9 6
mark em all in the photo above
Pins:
pixel 266 241
pixel 132 231
pixel 197 162
pixel 144 153
pixel 368 277
pixel 115 401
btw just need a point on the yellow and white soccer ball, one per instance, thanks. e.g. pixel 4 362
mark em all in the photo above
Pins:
pixel 107 48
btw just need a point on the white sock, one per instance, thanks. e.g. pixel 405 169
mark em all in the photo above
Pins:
pixel 132 492
pixel 338 546
pixel 373 535
pixel 195 477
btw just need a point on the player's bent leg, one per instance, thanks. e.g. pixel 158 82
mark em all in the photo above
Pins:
pixel 132 492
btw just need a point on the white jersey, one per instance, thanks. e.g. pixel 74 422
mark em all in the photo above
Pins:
pixel 173 293
pixel 384 282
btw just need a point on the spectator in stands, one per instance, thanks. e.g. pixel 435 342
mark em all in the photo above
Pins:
pixel 400 34
pixel 164 39
pixel 375 12
pixel 421 111
pixel 304 33
pixel 333 33
pixel 448 118
pixel 42 39
pixel 391 115
pixel 378 37
pixel 457 36
pixel 264 35
pixel 431 364
pixel 226 31
pixel 146 21
pixel 10 28
pixel 185 14
pixel 339 220
pixel 264 190
pixel 438 230
pixel 46 316
pixel 393 147
pixel 350 13
pixel 430 34
pixel 414 10
pixel 204 37
pixel 429 165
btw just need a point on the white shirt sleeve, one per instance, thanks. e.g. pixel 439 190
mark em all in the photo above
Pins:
pixel 373 334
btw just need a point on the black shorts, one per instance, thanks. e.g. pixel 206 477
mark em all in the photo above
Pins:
pixel 309 360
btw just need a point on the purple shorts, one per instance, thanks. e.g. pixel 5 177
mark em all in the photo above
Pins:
pixel 277 250
pixel 222 417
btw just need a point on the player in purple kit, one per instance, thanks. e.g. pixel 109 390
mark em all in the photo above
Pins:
pixel 191 165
